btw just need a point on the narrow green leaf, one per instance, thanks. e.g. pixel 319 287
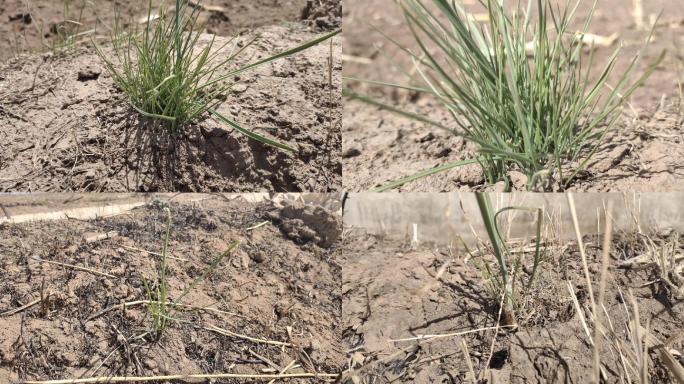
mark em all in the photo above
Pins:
pixel 250 134
pixel 423 174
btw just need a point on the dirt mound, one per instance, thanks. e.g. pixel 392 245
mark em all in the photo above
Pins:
pixel 305 223
pixel 67 128
pixel 391 291
pixel 271 289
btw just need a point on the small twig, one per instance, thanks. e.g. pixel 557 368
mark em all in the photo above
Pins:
pixel 76 267
pixel 429 337
pixel 22 308
pixel 226 332
pixel 265 360
pixel 101 236
pixel 257 226
pixel 151 253
pixel 287 368
pixel 145 302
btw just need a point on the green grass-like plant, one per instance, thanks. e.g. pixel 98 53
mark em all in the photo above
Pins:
pixel 503 283
pixel 519 86
pixel 158 305
pixel 169 79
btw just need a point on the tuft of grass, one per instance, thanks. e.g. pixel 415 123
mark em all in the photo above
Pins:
pixel 69 32
pixel 519 86
pixel 158 298
pixel 169 79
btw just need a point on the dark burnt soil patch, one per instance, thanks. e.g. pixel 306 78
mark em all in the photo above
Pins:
pixel 390 292
pixel 270 288
pixel 380 146
pixel 27 26
pixel 67 128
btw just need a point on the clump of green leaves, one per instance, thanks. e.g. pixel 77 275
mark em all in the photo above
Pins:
pixel 158 305
pixel 519 86
pixel 172 78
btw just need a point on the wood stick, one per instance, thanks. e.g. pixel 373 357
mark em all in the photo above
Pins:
pixel 76 267
pixel 22 308
pixel 226 332
pixel 145 302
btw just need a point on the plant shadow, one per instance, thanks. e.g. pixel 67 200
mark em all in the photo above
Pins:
pixel 203 157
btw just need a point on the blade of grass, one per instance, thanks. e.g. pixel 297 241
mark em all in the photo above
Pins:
pixel 250 134
pixel 422 174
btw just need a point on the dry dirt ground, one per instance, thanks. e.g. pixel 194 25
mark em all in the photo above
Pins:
pixel 34 25
pixel 390 291
pixel 281 284
pixel 642 153
pixel 67 128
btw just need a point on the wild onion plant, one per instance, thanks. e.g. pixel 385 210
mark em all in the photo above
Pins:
pixel 519 86
pixel 68 32
pixel 504 283
pixel 171 80
pixel 158 305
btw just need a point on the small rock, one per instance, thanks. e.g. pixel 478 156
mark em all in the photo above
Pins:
pixel 352 151
pixel 613 158
pixel 518 180
pixel 150 364
pixel 89 73
pixel 257 256
pixel 306 151
pixel 239 88
pixel 429 137
pixel 443 152
pixel 24 17
pixel 90 174
pixel 322 22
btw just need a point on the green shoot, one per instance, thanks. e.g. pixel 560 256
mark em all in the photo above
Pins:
pixel 519 87
pixel 158 305
pixel 68 32
pixel 171 80
pixel 502 254
pixel 158 301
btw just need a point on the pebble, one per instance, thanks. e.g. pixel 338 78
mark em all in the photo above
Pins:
pixel 352 151
pixel 89 73
pixel 239 88
pixel 150 364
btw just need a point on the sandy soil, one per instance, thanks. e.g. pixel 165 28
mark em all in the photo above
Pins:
pixel 641 154
pixel 282 284
pixel 390 291
pixel 33 25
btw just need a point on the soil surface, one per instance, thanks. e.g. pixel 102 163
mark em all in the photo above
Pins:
pixel 36 25
pixel 68 128
pixel 391 291
pixel 642 153
pixel 276 286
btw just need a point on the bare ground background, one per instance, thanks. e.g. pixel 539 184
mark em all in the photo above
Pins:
pixel 68 128
pixel 643 153
pixel 281 284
